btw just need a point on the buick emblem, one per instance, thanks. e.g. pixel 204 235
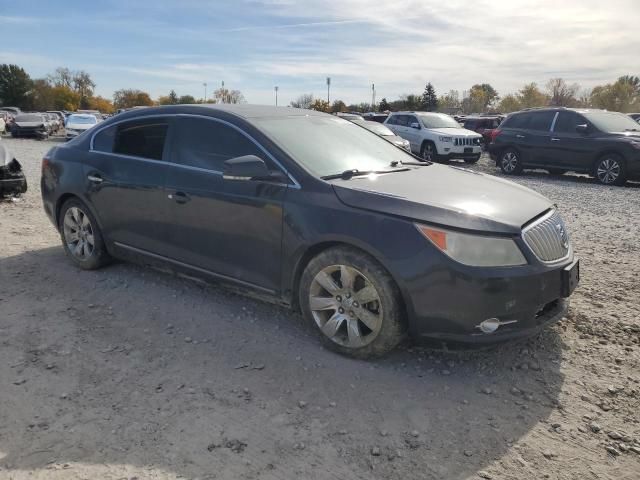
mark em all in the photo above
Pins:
pixel 562 234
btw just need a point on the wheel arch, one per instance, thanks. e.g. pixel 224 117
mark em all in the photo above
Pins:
pixel 602 153
pixel 62 199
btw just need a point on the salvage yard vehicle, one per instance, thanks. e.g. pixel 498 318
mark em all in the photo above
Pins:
pixel 384 132
pixel 31 125
pixel 317 213
pixel 600 143
pixel 435 136
pixel 77 123
pixel 12 179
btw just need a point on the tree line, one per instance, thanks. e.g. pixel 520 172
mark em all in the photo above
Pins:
pixel 622 95
pixel 65 89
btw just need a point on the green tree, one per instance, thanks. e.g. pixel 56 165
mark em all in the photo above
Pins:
pixel 186 99
pixel 129 97
pixel 632 80
pixel 429 98
pixel 320 105
pixel 480 98
pixel 41 96
pixel 15 85
pixel 449 102
pixel 531 96
pixel 620 96
pixel 338 106
pixel 384 106
pixel 173 97
pixel 509 103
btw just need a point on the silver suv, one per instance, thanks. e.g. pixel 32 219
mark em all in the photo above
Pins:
pixel 436 136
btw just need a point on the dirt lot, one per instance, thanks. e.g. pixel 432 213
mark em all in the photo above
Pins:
pixel 130 373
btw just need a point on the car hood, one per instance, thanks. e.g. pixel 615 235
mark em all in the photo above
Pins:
pixel 30 124
pixel 454 132
pixel 79 126
pixel 395 139
pixel 447 196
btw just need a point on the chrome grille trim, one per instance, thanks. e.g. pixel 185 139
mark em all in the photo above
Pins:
pixel 544 237
pixel 466 141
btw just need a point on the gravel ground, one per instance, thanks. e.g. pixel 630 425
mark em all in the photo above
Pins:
pixel 130 373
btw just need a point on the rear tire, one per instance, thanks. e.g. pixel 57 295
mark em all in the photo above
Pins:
pixel 81 236
pixel 352 303
pixel 610 170
pixel 510 162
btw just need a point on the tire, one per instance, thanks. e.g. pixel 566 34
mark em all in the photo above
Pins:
pixel 76 217
pixel 557 171
pixel 428 152
pixel 331 308
pixel 472 159
pixel 510 162
pixel 610 170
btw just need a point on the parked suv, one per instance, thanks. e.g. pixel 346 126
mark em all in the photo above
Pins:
pixel 601 143
pixel 483 125
pixel 436 136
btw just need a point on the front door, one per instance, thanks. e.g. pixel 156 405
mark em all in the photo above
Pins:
pixel 229 228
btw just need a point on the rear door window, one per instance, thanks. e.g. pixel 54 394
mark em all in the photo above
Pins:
pixel 541 121
pixel 208 144
pixel 139 138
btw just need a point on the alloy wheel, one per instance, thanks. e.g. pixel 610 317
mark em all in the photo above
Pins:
pixel 509 162
pixel 78 233
pixel 427 152
pixel 346 306
pixel 608 171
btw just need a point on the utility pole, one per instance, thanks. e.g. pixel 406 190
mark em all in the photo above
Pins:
pixel 205 92
pixel 328 88
pixel 276 90
pixel 373 97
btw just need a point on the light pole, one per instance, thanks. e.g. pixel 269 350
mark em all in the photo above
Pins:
pixel 222 91
pixel 328 88
pixel 373 97
pixel 276 88
pixel 205 92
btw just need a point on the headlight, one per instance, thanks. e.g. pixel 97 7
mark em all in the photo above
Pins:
pixel 445 139
pixel 474 250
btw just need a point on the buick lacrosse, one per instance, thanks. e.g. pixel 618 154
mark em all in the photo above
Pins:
pixel 369 242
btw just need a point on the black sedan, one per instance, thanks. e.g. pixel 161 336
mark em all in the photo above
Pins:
pixel 319 214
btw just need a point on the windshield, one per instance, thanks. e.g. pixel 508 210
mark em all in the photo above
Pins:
pixel 82 120
pixel 438 120
pixel 374 127
pixel 611 121
pixel 29 118
pixel 327 145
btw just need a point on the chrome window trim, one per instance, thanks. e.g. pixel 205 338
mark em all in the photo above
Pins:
pixel 534 224
pixel 296 184
pixel 553 123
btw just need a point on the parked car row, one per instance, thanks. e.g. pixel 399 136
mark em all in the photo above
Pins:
pixel 43 124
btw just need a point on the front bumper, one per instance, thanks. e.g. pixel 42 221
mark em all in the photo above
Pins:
pixel 448 151
pixel 449 302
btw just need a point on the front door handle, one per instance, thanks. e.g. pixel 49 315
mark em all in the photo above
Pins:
pixel 519 136
pixel 179 197
pixel 553 139
pixel 95 178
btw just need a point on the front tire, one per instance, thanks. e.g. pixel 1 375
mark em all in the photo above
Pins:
pixel 352 303
pixel 81 236
pixel 428 152
pixel 510 162
pixel 610 170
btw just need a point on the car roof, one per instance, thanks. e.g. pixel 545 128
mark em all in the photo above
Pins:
pixel 243 111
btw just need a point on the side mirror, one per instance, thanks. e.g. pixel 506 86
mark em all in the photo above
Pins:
pixel 246 167
pixel 415 125
pixel 584 128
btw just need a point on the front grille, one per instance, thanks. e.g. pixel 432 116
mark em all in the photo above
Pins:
pixel 468 141
pixel 548 238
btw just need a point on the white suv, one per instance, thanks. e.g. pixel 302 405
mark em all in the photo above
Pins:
pixel 436 136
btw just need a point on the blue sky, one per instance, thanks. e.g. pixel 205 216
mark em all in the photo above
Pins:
pixel 158 45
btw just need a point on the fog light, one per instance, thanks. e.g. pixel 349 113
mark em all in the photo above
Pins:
pixel 490 325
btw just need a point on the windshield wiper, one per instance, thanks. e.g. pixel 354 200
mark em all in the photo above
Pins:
pixel 354 172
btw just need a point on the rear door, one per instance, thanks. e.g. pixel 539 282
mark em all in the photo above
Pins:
pixel 535 137
pixel 570 149
pixel 125 173
pixel 232 229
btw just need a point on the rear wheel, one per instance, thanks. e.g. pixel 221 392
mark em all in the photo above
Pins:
pixel 610 170
pixel 81 236
pixel 510 162
pixel 352 302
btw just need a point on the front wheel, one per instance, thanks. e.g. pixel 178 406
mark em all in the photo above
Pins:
pixel 610 170
pixel 352 302
pixel 81 236
pixel 428 152
pixel 510 162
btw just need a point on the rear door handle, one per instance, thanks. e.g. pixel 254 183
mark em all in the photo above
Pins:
pixel 553 139
pixel 179 197
pixel 95 178
pixel 519 136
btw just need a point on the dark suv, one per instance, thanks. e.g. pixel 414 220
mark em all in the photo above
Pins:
pixel 601 143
